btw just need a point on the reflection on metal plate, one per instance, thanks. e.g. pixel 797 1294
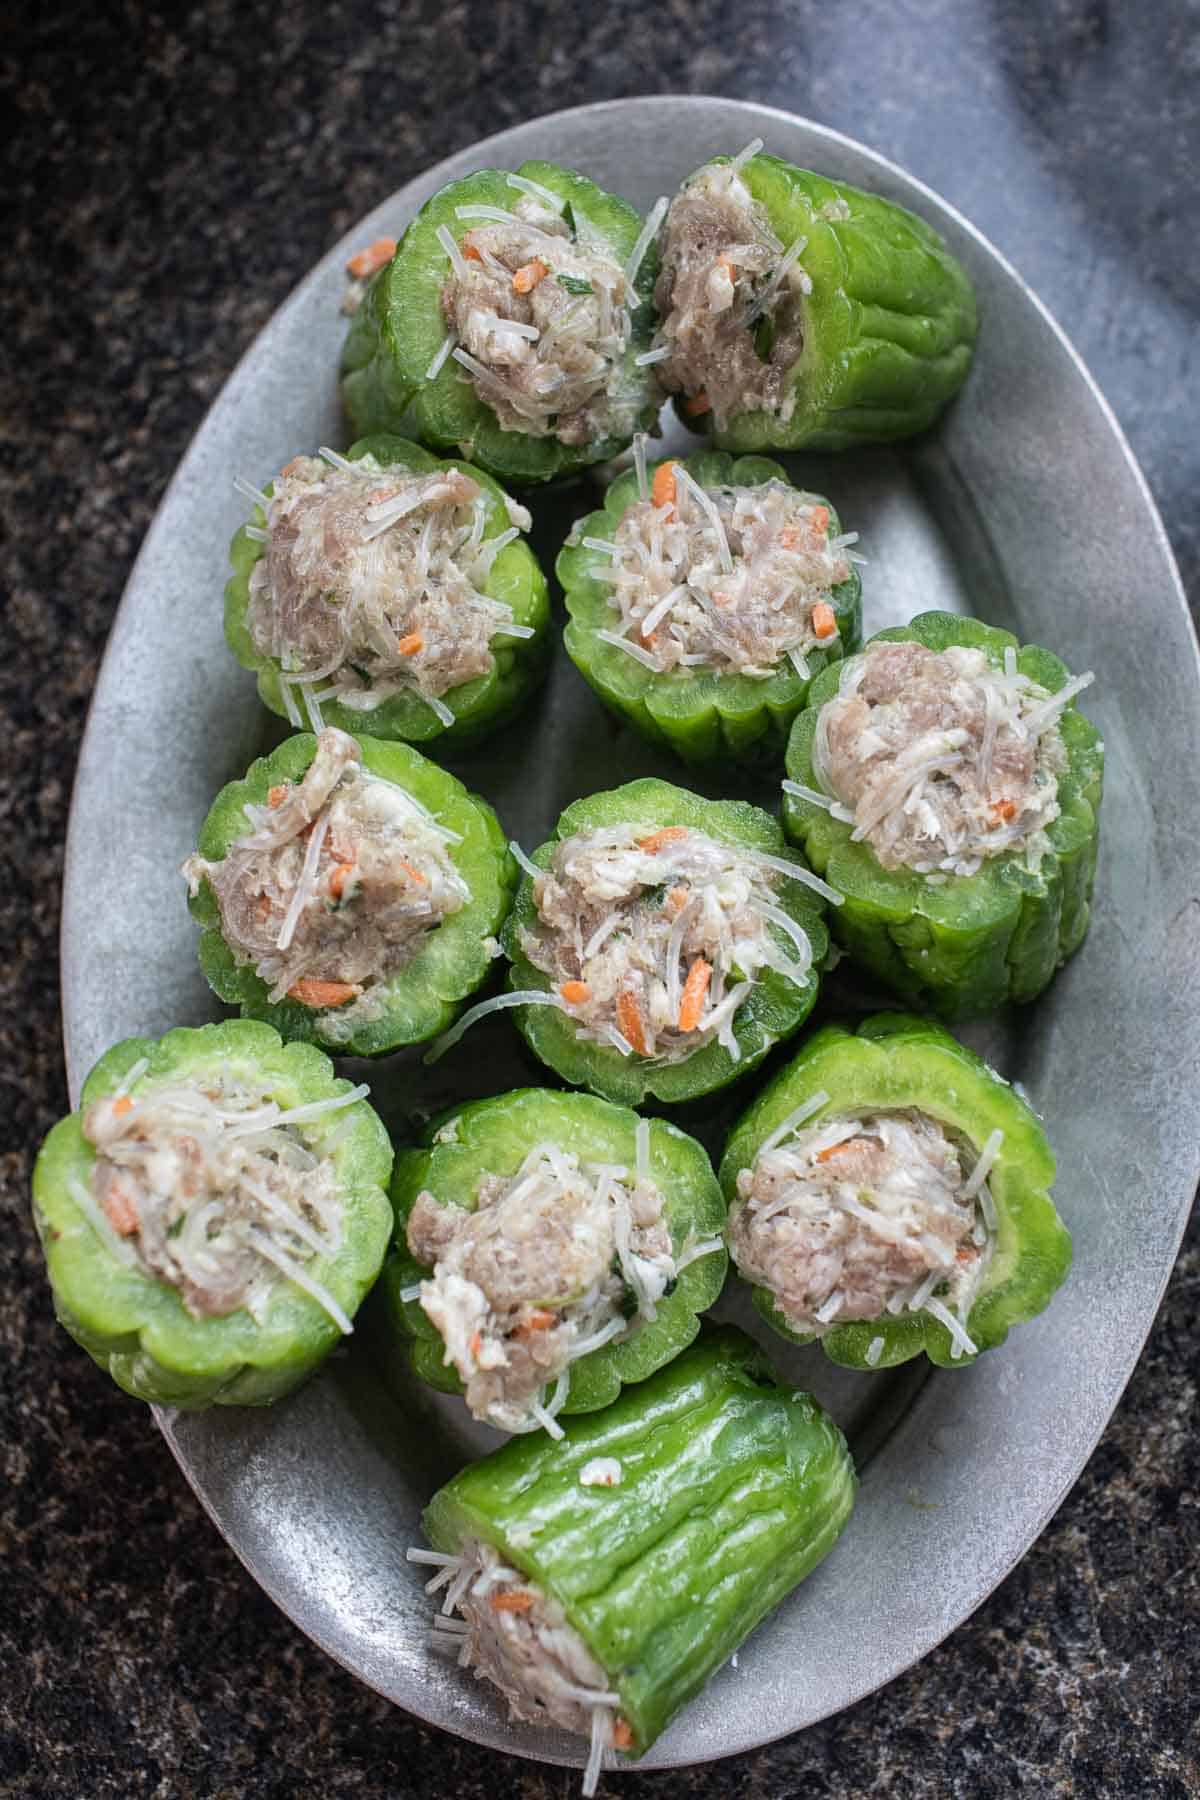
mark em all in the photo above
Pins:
pixel 960 1469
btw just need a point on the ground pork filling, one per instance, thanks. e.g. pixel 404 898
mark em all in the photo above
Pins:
pixel 335 886
pixel 557 1260
pixel 212 1187
pixel 653 938
pixel 866 1217
pixel 538 317
pixel 941 760
pixel 510 1632
pixel 371 583
pixel 732 579
pixel 731 299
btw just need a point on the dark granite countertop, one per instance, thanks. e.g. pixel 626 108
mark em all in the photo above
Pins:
pixel 172 174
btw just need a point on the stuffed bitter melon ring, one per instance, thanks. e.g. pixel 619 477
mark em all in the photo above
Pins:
pixel 798 311
pixel 946 784
pixel 705 597
pixel 889 1194
pixel 387 592
pixel 549 1248
pixel 512 321
pixel 214 1213
pixel 598 1582
pixel 350 892
pixel 660 944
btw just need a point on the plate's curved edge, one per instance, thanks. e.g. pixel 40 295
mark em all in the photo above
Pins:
pixel 499 1740
pixel 756 113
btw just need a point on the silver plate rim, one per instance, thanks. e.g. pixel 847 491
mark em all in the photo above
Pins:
pixel 756 115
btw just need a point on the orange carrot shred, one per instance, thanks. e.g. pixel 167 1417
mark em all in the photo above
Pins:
pixel 339 878
pixel 1003 811
pixel 836 1149
pixel 818 518
pixel 824 620
pixel 540 1319
pixel 476 1344
pixel 121 1105
pixel 528 276
pixel 676 899
pixel 121 1212
pixel 662 488
pixel 669 834
pixel 622 1736
pixel 366 262
pixel 276 796
pixel 790 537
pixel 697 404
pixel 512 1600
pixel 471 252
pixel 691 1004
pixel 629 1022
pixel 308 991
pixel 416 874
pixel 575 993
pixel 410 643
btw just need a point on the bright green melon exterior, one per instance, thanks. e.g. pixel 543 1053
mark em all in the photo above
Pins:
pixel 894 1062
pixel 136 1326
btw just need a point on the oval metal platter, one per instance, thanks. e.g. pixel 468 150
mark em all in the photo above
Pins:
pixel 1025 507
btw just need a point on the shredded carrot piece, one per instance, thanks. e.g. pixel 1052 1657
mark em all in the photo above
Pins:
pixel 290 468
pixel 366 262
pixel 691 1004
pixel 528 276
pixel 1003 811
pixel 276 796
pixel 662 488
pixel 669 834
pixel 514 1600
pixel 121 1212
pixel 629 1022
pixel 697 404
pixel 122 1105
pixel 311 992
pixel 476 1344
pixel 819 519
pixel 824 620
pixel 676 899
pixel 791 537
pixel 964 1253
pixel 339 878
pixel 540 1319
pixel 836 1149
pixel 575 993
pixel 622 1736
pixel 416 874
pixel 471 252
pixel 410 643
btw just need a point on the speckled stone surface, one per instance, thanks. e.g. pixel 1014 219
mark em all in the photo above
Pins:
pixel 170 177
